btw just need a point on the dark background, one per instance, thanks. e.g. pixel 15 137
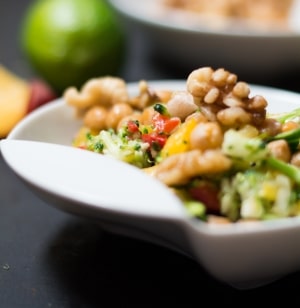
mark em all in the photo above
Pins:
pixel 52 259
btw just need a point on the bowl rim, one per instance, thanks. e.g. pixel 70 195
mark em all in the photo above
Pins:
pixel 137 12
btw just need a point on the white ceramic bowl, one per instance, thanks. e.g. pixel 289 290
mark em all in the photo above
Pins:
pixel 244 255
pixel 186 41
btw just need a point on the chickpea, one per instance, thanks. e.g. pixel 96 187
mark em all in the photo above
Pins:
pixel 207 135
pixel 290 125
pixel 116 113
pixel 135 116
pixel 280 149
pixel 147 115
pixel 295 160
pixel 95 118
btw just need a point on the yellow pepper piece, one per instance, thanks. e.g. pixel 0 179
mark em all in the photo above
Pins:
pixel 179 141
pixel 268 191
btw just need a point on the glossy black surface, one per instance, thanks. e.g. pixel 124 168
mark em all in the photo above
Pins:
pixel 49 258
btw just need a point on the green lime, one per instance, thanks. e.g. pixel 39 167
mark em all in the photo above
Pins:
pixel 70 41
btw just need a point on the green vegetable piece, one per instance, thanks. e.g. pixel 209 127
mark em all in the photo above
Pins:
pixel 160 108
pixel 292 137
pixel 293 115
pixel 289 170
pixel 288 135
pixel 243 150
pixel 196 209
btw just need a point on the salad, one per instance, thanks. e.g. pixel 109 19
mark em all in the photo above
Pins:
pixel 213 144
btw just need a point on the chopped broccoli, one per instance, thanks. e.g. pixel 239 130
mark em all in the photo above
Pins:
pixel 119 146
pixel 244 151
pixel 257 194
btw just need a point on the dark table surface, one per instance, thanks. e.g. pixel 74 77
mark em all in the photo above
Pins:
pixel 49 258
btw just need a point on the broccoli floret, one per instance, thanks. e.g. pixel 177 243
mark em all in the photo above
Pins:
pixel 119 146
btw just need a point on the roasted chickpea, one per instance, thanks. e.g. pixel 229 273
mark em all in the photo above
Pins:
pixel 295 160
pixel 116 113
pixel 280 149
pixel 95 118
